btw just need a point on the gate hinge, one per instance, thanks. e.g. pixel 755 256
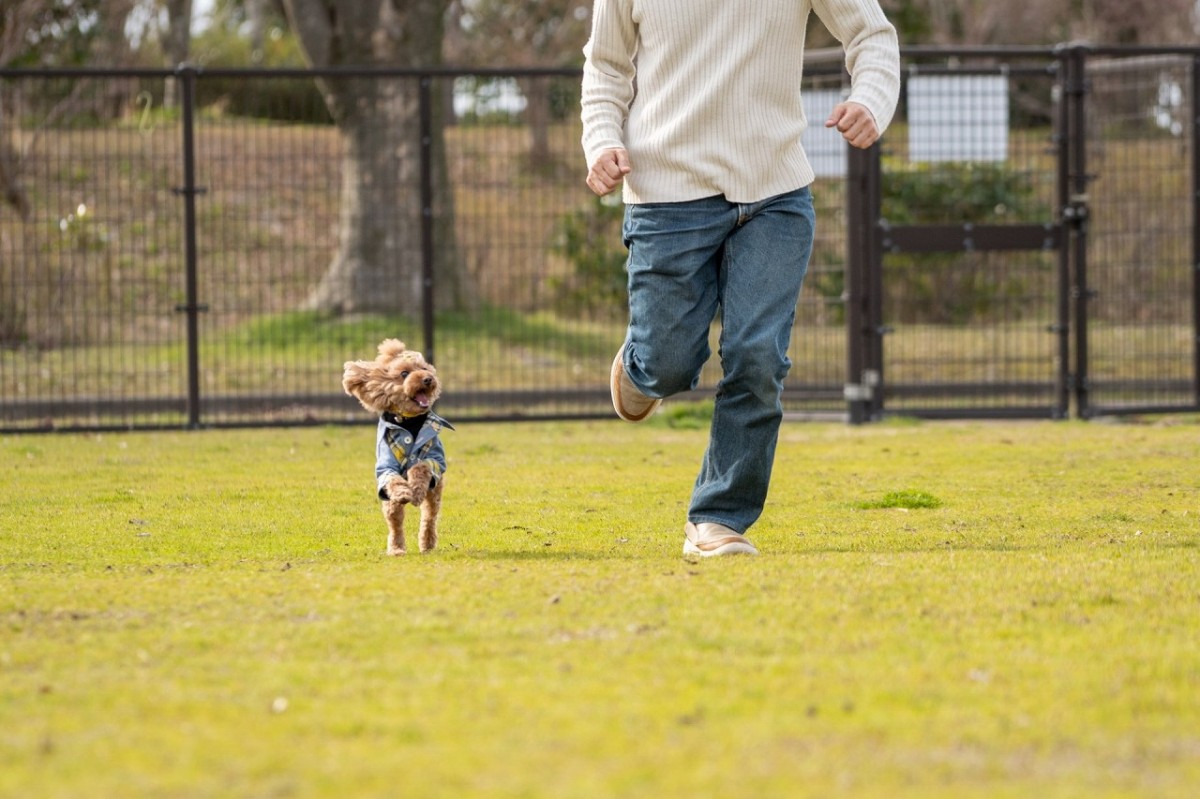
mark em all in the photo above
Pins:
pixel 864 391
pixel 857 392
pixel 1076 210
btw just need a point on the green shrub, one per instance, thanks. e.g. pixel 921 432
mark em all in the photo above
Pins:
pixel 956 287
pixel 287 99
pixel 590 239
pixel 953 193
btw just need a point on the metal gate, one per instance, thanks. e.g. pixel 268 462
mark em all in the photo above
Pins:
pixel 994 271
pixel 1136 178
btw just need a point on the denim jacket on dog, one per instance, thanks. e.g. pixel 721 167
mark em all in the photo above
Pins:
pixel 396 451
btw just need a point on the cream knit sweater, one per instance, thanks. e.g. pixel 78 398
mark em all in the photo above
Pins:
pixel 716 109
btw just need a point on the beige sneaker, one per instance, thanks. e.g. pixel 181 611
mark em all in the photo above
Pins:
pixel 631 405
pixel 709 538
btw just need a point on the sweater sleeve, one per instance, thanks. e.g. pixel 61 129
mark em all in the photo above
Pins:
pixel 608 76
pixel 872 53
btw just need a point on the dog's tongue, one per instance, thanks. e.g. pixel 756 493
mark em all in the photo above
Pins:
pixel 422 399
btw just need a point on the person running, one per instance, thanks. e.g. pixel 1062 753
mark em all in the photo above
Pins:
pixel 694 107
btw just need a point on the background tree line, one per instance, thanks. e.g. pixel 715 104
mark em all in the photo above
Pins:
pixel 377 119
pixel 509 32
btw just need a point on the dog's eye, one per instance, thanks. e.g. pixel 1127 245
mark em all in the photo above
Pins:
pixel 404 374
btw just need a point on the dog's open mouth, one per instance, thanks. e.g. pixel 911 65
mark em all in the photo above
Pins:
pixel 422 399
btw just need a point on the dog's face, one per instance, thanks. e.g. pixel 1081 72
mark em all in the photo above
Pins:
pixel 398 380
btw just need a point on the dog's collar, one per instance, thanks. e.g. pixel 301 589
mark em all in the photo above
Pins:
pixel 392 417
pixel 396 418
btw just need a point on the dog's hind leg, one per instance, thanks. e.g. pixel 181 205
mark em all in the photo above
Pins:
pixel 431 508
pixel 393 512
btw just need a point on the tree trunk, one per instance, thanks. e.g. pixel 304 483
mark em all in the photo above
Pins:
pixel 10 184
pixel 537 117
pixel 177 42
pixel 11 188
pixel 379 265
pixel 256 19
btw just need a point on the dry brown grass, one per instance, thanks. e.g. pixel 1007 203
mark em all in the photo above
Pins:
pixel 104 245
pixel 96 274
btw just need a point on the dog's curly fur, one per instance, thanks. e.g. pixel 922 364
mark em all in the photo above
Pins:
pixel 401 382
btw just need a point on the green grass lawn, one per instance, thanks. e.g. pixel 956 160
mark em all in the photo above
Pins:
pixel 940 610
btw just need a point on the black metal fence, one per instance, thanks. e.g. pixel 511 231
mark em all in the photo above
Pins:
pixel 1023 243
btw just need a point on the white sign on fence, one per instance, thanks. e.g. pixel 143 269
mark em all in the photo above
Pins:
pixel 958 118
pixel 825 148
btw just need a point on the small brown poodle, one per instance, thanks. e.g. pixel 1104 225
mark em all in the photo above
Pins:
pixel 410 463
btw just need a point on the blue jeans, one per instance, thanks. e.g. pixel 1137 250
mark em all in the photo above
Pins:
pixel 689 262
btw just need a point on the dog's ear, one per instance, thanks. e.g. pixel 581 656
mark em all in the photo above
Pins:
pixel 355 375
pixel 365 381
pixel 391 347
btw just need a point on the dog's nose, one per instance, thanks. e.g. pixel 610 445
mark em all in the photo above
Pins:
pixel 428 381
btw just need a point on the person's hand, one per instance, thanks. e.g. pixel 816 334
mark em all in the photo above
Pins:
pixel 855 123
pixel 609 169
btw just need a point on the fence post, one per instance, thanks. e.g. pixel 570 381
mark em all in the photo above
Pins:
pixel 186 75
pixel 1062 324
pixel 427 226
pixel 1196 228
pixel 1075 214
pixel 873 375
pixel 864 356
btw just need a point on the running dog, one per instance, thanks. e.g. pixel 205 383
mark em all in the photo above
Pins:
pixel 400 387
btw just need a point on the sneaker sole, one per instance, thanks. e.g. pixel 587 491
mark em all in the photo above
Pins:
pixel 732 546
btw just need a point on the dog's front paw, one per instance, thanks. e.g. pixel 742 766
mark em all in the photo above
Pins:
pixel 398 490
pixel 420 477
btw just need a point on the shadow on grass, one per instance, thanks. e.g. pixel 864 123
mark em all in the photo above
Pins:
pixel 550 554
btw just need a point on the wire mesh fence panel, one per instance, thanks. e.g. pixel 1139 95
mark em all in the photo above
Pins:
pixel 541 303
pixel 818 348
pixel 1141 272
pixel 189 248
pixel 968 241
pixel 309 240
pixel 90 242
